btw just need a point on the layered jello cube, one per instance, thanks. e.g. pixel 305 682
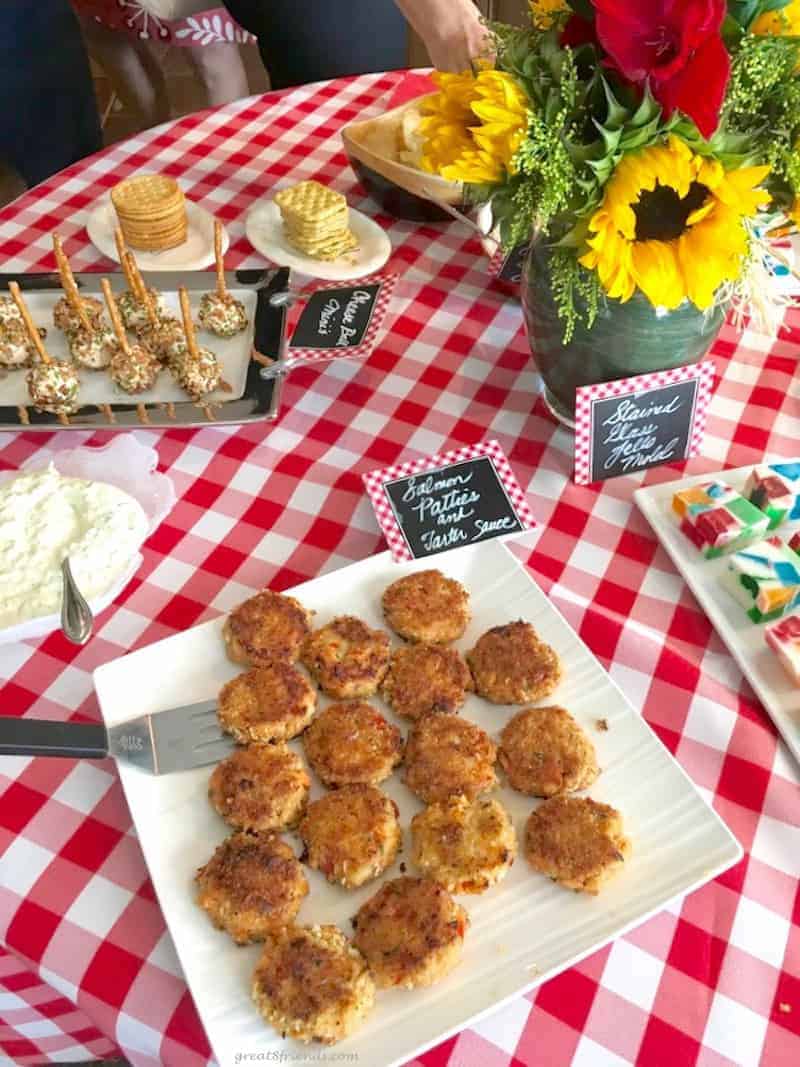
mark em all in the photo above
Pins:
pixel 718 519
pixel 774 488
pixel 783 638
pixel 765 579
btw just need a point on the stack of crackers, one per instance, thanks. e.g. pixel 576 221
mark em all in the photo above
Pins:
pixel 151 212
pixel 315 220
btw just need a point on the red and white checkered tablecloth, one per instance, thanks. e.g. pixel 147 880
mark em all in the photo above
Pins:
pixel 713 980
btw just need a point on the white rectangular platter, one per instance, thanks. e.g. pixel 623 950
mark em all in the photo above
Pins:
pixel 96 386
pixel 522 931
pixel 744 639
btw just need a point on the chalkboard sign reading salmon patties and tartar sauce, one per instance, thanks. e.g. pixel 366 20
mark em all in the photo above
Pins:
pixel 434 505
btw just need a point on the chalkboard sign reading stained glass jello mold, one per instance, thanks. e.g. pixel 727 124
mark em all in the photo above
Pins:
pixel 458 498
pixel 636 423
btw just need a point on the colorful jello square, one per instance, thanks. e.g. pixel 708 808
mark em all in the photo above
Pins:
pixel 775 490
pixel 765 579
pixel 794 542
pixel 718 519
pixel 783 638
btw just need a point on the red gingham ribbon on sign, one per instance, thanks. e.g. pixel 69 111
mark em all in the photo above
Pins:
pixel 375 481
pixel 294 356
pixel 641 383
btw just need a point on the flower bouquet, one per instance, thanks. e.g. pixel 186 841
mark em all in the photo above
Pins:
pixel 646 148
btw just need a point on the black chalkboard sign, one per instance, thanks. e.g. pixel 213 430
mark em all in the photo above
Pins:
pixel 511 268
pixel 456 505
pixel 630 433
pixel 336 318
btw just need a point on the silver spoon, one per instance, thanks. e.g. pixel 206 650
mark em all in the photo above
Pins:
pixel 76 615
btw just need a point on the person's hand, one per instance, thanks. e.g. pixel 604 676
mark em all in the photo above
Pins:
pixel 451 30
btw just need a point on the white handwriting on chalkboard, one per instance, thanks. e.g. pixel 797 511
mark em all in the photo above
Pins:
pixel 346 332
pixel 445 500
pixel 634 441
pixel 435 542
pixel 629 411
pixel 326 315
pixel 492 526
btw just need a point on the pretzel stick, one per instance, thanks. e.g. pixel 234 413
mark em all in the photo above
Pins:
pixel 188 325
pixel 222 290
pixel 116 321
pixel 140 290
pixel 122 252
pixel 33 333
pixel 69 286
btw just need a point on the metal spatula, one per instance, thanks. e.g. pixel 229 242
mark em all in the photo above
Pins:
pixel 174 740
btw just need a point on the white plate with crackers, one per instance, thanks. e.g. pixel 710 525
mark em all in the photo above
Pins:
pixel 264 229
pixel 195 253
pixel 523 930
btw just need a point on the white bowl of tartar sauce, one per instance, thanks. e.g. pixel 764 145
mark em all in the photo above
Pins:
pixel 95 505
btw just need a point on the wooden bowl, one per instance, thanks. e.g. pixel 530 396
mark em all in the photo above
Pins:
pixel 372 146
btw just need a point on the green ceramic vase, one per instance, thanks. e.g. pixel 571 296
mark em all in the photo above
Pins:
pixel 626 339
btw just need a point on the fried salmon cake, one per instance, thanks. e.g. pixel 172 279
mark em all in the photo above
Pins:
pixel 352 742
pixel 576 842
pixel 446 756
pixel 428 607
pixel 268 626
pixel 410 932
pixel 312 984
pixel 351 835
pixel 425 678
pixel 260 787
pixel 252 884
pixel 511 665
pixel 544 752
pixel 274 702
pixel 347 658
pixel 466 845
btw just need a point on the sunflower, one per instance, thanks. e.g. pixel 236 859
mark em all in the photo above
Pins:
pixel 545 12
pixel 458 147
pixel 671 224
pixel 782 23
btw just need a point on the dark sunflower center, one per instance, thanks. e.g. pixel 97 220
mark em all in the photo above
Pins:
pixel 661 214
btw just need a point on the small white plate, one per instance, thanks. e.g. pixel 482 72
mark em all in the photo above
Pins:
pixel 523 931
pixel 196 252
pixel 124 463
pixel 264 230
pixel 745 639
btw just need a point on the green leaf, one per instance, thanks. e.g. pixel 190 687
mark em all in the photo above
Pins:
pixel 617 114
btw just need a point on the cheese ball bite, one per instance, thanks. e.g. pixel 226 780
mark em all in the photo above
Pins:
pixel 134 371
pixel 16 348
pixel 266 627
pixel 166 340
pixel 465 845
pixel 351 835
pixel 427 606
pixel 133 313
pixel 511 665
pixel 270 703
pixel 260 787
pixel 349 743
pixel 222 315
pixel 577 842
pixel 9 312
pixel 312 984
pixel 426 678
pixel 410 932
pixel 54 387
pixel 93 350
pixel 66 319
pixel 447 756
pixel 198 374
pixel 252 884
pixel 347 658
pixel 544 752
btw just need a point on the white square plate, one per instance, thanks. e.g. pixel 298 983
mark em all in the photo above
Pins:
pixel 524 930
pixel 745 639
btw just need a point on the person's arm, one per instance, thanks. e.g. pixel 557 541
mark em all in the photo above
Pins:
pixel 451 30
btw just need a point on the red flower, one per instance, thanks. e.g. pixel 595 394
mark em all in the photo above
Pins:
pixel 676 46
